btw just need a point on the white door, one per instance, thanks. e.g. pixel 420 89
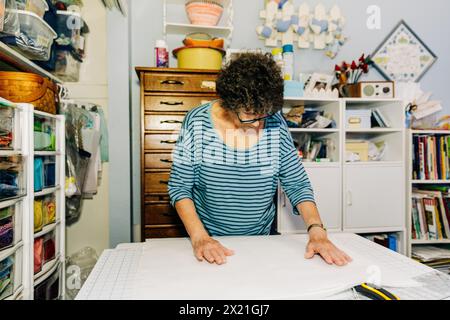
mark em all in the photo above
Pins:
pixel 326 182
pixel 374 197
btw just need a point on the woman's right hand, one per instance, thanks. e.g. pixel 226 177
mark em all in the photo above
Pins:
pixel 206 248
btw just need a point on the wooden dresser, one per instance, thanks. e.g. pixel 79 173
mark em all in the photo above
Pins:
pixel 166 96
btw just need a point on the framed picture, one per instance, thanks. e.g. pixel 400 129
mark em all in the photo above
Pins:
pixel 319 81
pixel 232 54
pixel 403 56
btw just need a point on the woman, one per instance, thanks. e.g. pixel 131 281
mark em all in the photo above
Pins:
pixel 228 161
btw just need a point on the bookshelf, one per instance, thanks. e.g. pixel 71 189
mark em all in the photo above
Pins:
pixel 352 196
pixel 423 182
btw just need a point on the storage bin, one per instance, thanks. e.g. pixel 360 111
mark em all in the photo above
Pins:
pixel 49 289
pixel 12 183
pixel 39 7
pixel 358 119
pixel 35 39
pixel 49 247
pixel 11 274
pixel 6 278
pixel 38 214
pixel 44 134
pixel 68 28
pixel 38 174
pixel 49 209
pixel 22 87
pixel 67 65
pixel 7 225
pixel 49 172
pixel 38 254
pixel 9 20
pixel 6 128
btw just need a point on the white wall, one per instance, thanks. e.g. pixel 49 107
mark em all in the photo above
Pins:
pixel 92 230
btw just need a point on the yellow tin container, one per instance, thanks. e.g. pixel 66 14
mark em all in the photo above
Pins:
pixel 199 58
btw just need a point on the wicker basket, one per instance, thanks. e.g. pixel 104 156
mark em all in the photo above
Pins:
pixel 21 87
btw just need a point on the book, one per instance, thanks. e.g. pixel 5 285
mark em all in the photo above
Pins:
pixel 383 118
pixel 430 218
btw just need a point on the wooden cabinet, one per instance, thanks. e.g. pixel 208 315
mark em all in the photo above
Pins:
pixel 167 95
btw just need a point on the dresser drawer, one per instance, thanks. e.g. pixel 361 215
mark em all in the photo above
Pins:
pixel 174 103
pixel 165 232
pixel 158 161
pixel 163 122
pixel 156 182
pixel 162 213
pixel 156 198
pixel 180 83
pixel 160 141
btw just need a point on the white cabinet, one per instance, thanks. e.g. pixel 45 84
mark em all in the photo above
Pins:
pixel 373 198
pixel 365 197
pixel 326 182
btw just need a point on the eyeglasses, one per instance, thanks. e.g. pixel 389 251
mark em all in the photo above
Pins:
pixel 254 120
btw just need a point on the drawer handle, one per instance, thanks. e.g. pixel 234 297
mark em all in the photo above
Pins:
pixel 168 141
pixel 164 182
pixel 166 161
pixel 174 82
pixel 169 215
pixel 172 103
pixel 172 122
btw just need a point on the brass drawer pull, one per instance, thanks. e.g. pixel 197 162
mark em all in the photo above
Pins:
pixel 164 182
pixel 172 103
pixel 172 122
pixel 168 141
pixel 175 82
pixel 166 161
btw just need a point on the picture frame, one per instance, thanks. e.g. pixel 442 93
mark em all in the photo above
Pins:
pixel 320 81
pixel 403 56
pixel 234 53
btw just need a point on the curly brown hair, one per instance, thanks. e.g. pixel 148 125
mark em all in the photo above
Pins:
pixel 253 82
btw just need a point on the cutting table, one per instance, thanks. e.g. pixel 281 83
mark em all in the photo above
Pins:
pixel 263 268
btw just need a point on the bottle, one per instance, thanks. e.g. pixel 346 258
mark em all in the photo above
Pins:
pixel 288 59
pixel 277 54
pixel 161 54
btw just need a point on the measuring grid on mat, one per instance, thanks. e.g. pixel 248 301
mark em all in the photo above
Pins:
pixel 112 277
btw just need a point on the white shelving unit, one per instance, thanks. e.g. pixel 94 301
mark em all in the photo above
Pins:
pixel 354 197
pixel 176 22
pixel 58 227
pixel 411 183
pixel 22 250
pixel 20 287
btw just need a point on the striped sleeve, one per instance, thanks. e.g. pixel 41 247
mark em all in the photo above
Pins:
pixel 181 182
pixel 293 177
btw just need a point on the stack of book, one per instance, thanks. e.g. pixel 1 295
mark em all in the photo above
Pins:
pixel 431 157
pixel 389 241
pixel 431 213
pixel 314 150
pixel 433 256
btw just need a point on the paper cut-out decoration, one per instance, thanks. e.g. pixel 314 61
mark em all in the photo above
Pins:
pixel 402 56
pixel 319 30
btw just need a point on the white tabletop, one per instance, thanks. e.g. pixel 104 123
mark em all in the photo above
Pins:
pixel 266 268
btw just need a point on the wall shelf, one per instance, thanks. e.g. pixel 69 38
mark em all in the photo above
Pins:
pixel 17 62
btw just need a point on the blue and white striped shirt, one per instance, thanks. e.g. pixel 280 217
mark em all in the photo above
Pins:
pixel 233 189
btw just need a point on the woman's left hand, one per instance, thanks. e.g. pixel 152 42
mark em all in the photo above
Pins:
pixel 320 244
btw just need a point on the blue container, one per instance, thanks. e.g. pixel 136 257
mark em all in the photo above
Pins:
pixel 38 174
pixel 49 174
